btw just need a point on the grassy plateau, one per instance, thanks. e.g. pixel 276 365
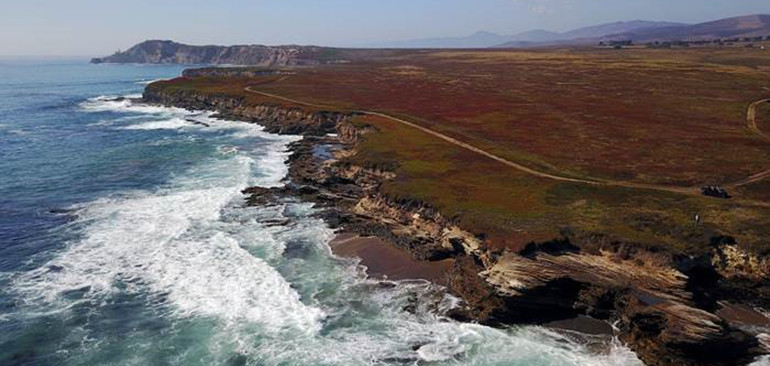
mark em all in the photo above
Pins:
pixel 635 120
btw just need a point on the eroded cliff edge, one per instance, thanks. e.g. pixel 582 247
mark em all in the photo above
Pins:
pixel 670 307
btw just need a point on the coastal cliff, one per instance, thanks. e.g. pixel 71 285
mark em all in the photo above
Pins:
pixel 275 119
pixel 169 52
pixel 671 309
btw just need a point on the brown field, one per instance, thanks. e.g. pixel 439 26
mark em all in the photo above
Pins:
pixel 649 118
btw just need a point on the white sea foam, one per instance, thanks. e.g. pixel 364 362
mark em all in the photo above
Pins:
pixel 103 122
pixel 385 334
pixel 148 82
pixel 227 150
pixel 104 103
pixel 170 243
pixel 153 117
pixel 270 159
pixel 114 103
pixel 168 124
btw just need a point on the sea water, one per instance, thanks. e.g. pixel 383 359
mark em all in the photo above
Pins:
pixel 125 240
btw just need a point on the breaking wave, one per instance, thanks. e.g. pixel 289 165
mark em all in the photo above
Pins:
pixel 169 243
pixel 148 82
pixel 257 285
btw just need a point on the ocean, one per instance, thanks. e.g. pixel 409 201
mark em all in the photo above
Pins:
pixel 125 240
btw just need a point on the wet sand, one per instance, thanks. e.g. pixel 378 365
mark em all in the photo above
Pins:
pixel 385 261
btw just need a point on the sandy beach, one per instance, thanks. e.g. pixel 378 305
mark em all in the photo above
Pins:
pixel 383 260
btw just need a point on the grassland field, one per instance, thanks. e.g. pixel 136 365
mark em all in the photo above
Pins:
pixel 658 117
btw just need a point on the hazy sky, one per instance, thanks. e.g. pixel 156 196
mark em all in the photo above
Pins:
pixel 99 27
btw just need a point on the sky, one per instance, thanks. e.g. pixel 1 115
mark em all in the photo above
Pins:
pixel 100 27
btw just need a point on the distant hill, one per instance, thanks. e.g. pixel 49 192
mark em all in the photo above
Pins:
pixel 637 30
pixel 617 27
pixel 538 35
pixel 591 33
pixel 749 26
pixel 488 39
pixel 169 52
pixel 476 40
pixel 738 27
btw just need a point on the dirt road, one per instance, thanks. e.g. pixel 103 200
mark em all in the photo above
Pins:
pixel 751 118
pixel 591 181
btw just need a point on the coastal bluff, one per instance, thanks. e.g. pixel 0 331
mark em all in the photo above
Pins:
pixel 170 52
pixel 671 308
pixel 174 53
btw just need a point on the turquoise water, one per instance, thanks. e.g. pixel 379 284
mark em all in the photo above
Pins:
pixel 124 241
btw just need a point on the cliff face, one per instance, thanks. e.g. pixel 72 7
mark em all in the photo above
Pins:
pixel 275 119
pixel 671 310
pixel 168 52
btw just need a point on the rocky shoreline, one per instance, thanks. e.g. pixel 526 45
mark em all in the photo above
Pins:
pixel 670 308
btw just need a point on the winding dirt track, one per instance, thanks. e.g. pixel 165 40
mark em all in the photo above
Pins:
pixel 597 182
pixel 751 123
pixel 751 118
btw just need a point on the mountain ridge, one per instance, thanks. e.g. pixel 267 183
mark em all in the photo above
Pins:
pixel 480 39
pixel 747 26
pixel 484 39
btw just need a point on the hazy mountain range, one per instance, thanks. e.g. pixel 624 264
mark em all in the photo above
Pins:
pixel 636 30
pixel 486 39
pixel 169 52
pixel 739 27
